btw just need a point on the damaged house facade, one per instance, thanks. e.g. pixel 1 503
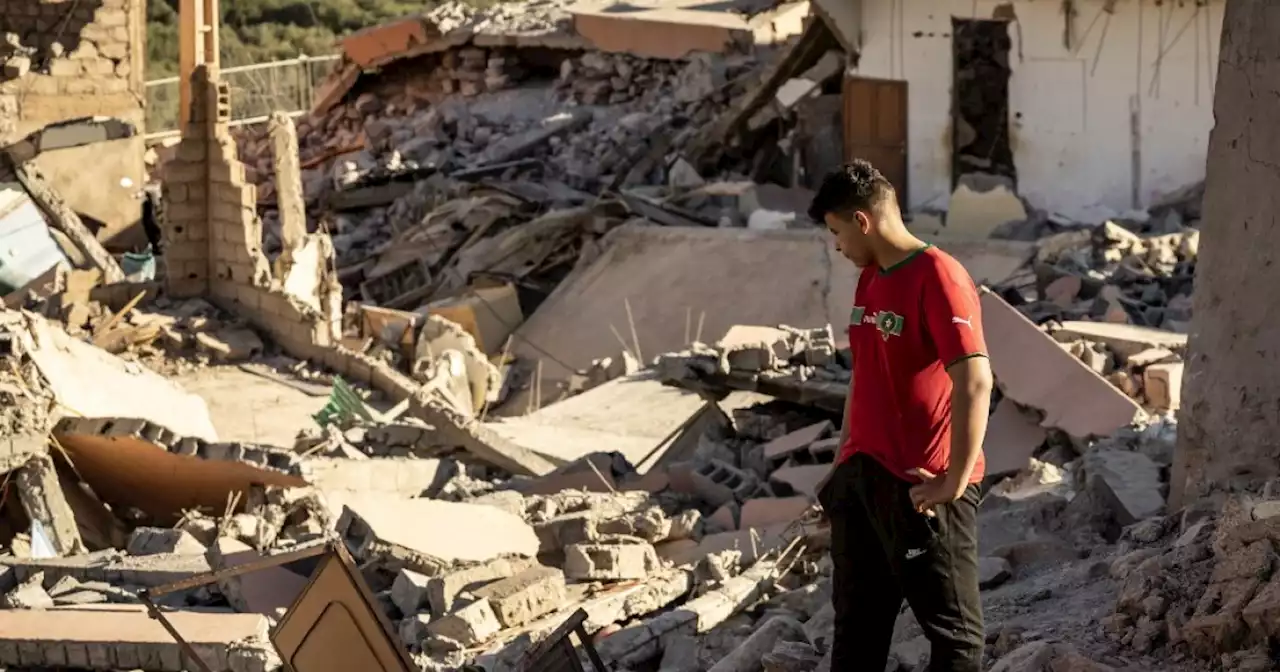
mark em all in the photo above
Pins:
pixel 66 60
pixel 1115 97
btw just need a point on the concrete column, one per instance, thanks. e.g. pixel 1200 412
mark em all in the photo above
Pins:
pixel 289 201
pixel 42 498
pixel 1230 418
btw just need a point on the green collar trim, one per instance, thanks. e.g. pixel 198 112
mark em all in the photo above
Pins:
pixel 904 262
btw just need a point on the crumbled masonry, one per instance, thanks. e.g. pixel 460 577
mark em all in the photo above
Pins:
pixel 525 318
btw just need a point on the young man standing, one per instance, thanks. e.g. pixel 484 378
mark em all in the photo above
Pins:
pixel 902 497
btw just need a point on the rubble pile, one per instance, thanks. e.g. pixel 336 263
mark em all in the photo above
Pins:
pixel 1112 274
pixel 1202 584
pixel 712 559
pixel 375 267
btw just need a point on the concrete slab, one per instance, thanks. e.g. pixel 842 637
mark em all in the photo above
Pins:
pixel 119 388
pixel 247 407
pixel 1033 370
pixel 630 415
pixel 119 636
pixel 446 531
pixel 1126 339
pixel 407 477
pixel 378 44
pixel 675 279
pixel 1012 438
pixel 803 479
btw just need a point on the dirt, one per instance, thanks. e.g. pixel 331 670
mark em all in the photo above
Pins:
pixel 249 408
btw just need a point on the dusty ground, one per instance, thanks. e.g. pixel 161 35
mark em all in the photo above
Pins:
pixel 247 407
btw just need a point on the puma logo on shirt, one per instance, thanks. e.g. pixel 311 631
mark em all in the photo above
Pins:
pixel 962 320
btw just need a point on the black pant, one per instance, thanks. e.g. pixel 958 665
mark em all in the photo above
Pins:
pixel 883 551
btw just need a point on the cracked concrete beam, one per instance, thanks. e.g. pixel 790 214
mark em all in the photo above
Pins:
pixel 456 429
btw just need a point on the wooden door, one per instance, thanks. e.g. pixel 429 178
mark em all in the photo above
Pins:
pixel 875 127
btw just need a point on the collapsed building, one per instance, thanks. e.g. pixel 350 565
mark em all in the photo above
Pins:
pixel 487 387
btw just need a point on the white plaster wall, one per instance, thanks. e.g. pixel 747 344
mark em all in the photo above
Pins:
pixel 1070 109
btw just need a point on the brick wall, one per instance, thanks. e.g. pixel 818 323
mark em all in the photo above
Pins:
pixel 77 59
pixel 213 239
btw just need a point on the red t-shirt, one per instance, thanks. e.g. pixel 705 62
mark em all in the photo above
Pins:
pixel 909 323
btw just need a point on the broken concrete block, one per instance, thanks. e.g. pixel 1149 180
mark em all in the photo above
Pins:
pixel 768 511
pixel 1162 384
pixel 614 562
pixel 1036 372
pixel 1125 340
pixel 1012 438
pixel 472 624
pixel 1128 482
pixel 453 428
pixel 269 591
pixel 413 629
pixel 407 477
pixel 779 450
pixel 525 597
pixel 650 524
pixel 43 500
pixel 152 540
pixel 443 591
pixel 803 479
pixel 426 535
pixel 762 640
pixel 29 594
pixel 753 348
pixel 1150 356
pixel 719 483
pixel 409 592
pixel 439 336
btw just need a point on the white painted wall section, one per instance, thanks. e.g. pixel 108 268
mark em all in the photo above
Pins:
pixel 1072 109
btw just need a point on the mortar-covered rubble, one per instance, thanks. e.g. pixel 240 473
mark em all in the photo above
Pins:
pixel 712 561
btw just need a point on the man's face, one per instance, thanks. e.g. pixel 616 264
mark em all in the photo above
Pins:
pixel 851 236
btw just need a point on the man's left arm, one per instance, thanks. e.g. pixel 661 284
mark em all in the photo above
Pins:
pixel 953 317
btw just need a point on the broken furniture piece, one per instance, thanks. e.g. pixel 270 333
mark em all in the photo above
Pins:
pixel 334 625
pixel 556 652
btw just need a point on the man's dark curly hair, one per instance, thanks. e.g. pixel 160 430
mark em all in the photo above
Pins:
pixel 856 185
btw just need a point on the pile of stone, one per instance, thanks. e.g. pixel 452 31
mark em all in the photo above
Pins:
pixel 711 559
pixel 1111 274
pixel 607 119
pixel 1146 364
pixel 1203 584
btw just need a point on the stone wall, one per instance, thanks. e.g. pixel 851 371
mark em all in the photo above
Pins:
pixel 61 60
pixel 213 248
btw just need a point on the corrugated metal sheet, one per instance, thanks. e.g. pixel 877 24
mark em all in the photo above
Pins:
pixel 27 250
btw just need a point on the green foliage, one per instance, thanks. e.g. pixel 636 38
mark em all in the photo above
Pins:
pixel 255 31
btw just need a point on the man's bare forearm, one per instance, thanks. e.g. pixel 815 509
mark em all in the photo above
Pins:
pixel 844 422
pixel 970 405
